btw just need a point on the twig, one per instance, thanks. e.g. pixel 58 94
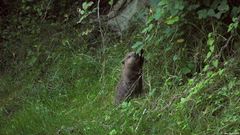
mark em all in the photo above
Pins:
pixel 224 47
pixel 221 36
pixel 103 43
pixel 100 24
pixel 132 88
pixel 144 111
pixel 45 14
pixel 170 102
pixel 194 25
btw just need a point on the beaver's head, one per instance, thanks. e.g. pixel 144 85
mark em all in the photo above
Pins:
pixel 133 60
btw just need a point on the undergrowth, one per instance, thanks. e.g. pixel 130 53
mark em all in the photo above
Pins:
pixel 72 95
pixel 61 79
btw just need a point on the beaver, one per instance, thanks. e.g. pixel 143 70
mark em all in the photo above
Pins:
pixel 131 82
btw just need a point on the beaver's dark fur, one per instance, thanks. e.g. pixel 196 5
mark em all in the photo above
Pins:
pixel 131 83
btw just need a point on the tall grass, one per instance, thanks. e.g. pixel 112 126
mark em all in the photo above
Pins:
pixel 73 93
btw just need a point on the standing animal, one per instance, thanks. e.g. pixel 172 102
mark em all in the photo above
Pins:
pixel 131 83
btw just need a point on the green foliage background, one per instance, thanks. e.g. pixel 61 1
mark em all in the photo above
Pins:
pixel 59 77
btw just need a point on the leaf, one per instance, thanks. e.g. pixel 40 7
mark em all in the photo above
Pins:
pixel 185 70
pixel 181 40
pixel 81 12
pixel 193 7
pixel 230 27
pixel 168 48
pixel 157 14
pixel 184 100
pixel 209 54
pixel 32 61
pixel 179 5
pixel 211 13
pixel 211 48
pixel 202 14
pixel 148 28
pixel 162 3
pixel 113 132
pixel 215 63
pixel 223 6
pixel 221 71
pixel 191 65
pixel 138 46
pixel 235 11
pixel 175 57
pixel 110 2
pixel 206 68
pixel 171 20
pixel 233 25
pixel 215 4
pixel 210 41
pixel 218 15
pixel 86 32
pixel 86 5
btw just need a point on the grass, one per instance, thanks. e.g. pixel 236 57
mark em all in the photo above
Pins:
pixel 73 93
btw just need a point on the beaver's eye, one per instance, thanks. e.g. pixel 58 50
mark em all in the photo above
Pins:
pixel 128 56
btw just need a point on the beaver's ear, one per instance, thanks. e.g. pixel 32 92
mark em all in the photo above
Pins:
pixel 141 52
